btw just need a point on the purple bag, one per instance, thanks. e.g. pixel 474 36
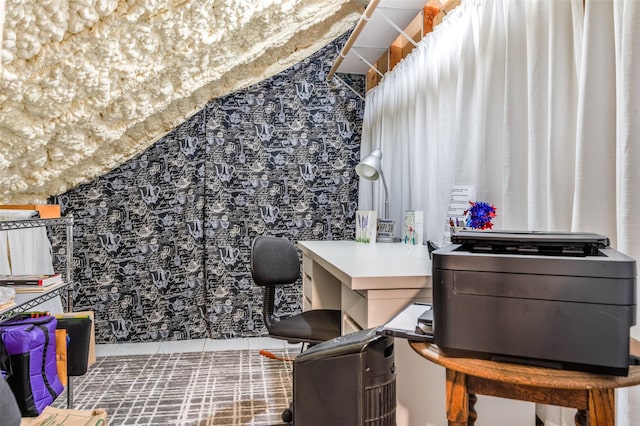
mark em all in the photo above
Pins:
pixel 31 345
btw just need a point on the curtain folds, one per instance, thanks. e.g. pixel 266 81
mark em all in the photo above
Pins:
pixel 533 103
pixel 626 15
pixel 488 99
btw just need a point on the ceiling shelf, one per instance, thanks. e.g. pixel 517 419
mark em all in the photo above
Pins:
pixel 387 31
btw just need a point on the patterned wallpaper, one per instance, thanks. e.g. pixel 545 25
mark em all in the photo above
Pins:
pixel 162 244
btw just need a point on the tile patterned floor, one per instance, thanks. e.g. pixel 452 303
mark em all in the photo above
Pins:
pixel 198 388
pixel 197 345
pixel 196 383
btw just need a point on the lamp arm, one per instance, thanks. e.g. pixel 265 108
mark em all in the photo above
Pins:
pixel 386 196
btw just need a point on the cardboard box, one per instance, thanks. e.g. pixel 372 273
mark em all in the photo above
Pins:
pixel 66 417
pixel 61 356
pixel 46 211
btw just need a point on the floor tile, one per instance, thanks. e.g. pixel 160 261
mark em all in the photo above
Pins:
pixel 195 345
pixel 136 348
pixel 105 349
pixel 226 344
pixel 270 343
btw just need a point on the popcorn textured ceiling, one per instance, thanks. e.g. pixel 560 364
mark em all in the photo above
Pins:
pixel 88 84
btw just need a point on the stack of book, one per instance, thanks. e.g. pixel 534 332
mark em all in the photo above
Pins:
pixel 30 283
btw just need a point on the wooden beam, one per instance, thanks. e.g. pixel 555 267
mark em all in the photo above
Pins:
pixel 371 7
pixel 401 47
pixel 447 7
pixel 431 15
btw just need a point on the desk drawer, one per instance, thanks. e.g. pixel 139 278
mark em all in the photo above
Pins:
pixel 307 287
pixel 307 265
pixel 354 304
pixel 348 325
pixel 306 304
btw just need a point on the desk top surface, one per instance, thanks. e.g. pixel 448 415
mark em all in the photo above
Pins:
pixel 358 260
pixel 528 375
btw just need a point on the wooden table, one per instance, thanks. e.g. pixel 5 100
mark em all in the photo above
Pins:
pixel 593 395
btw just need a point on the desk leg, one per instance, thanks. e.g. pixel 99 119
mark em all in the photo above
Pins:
pixel 457 399
pixel 601 412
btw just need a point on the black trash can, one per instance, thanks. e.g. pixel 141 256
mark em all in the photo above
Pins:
pixel 349 380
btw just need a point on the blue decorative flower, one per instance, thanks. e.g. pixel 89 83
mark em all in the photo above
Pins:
pixel 479 215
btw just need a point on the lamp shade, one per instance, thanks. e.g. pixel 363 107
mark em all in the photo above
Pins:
pixel 370 168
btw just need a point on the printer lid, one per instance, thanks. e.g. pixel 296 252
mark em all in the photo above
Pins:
pixel 531 242
pixel 536 253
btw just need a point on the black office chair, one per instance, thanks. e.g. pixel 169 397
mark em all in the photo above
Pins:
pixel 275 262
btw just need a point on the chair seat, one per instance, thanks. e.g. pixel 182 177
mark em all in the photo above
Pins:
pixel 315 326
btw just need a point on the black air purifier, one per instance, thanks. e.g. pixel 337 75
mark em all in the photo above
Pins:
pixel 349 380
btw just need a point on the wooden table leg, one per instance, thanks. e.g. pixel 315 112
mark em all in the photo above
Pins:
pixel 457 399
pixel 473 416
pixel 602 407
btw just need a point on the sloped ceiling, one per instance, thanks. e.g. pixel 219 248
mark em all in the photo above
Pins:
pixel 88 84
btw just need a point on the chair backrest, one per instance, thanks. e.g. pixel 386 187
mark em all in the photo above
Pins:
pixel 274 261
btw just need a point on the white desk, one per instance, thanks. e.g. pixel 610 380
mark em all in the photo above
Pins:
pixel 370 283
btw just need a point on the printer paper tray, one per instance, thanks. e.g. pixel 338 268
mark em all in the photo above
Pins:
pixel 414 322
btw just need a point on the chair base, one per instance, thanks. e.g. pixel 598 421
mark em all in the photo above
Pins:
pixel 287 414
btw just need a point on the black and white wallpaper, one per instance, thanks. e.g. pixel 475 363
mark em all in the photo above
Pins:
pixel 162 244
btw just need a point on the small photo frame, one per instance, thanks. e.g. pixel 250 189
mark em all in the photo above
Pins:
pixel 366 225
pixel 413 227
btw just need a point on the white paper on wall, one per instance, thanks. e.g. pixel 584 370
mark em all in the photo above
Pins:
pixel 458 204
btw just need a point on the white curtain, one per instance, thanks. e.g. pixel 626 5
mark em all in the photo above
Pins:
pixel 535 104
pixel 30 251
pixel 26 250
pixel 626 44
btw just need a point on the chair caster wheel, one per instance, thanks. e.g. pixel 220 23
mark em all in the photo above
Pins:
pixel 287 416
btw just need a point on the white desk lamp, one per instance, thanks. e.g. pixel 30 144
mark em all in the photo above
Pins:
pixel 370 168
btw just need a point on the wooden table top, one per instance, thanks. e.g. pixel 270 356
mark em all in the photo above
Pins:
pixel 529 375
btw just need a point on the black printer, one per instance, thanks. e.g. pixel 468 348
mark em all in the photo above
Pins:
pixel 559 300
